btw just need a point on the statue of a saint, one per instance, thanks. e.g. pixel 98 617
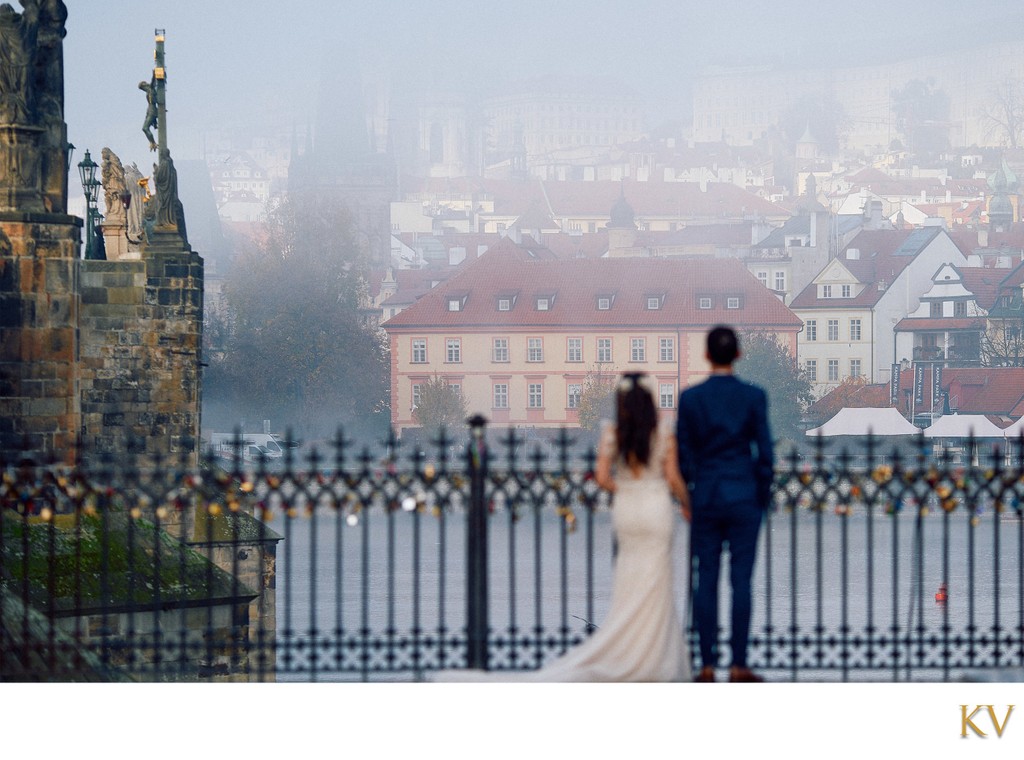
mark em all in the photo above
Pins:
pixel 152 117
pixel 166 177
pixel 135 183
pixel 49 61
pixel 18 35
pixel 113 185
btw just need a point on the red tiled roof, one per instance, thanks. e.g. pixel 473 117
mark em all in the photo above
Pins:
pixel 536 217
pixel 880 183
pixel 978 390
pixel 966 239
pixel 987 391
pixel 866 396
pixel 576 284
pixel 984 283
pixel 876 264
pixel 993 391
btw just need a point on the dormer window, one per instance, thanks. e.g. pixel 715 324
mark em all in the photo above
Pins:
pixel 704 302
pixel 604 303
pixel 826 291
pixel 732 302
pixel 504 304
pixel 544 303
pixel 653 303
pixel 847 291
pixel 454 304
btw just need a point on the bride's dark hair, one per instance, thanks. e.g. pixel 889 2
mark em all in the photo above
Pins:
pixel 637 418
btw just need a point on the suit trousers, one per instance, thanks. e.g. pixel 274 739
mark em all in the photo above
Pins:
pixel 737 525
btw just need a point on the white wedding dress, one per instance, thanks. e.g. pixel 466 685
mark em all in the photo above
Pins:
pixel 641 638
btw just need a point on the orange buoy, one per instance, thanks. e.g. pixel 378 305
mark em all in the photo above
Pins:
pixel 940 595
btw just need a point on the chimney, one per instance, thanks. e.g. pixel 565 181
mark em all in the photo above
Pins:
pixel 874 221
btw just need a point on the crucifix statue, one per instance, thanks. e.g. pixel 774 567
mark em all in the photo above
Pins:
pixel 169 215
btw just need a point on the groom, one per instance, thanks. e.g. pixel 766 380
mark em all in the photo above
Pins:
pixel 725 454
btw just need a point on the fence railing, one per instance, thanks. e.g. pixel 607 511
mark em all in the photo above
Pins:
pixel 877 562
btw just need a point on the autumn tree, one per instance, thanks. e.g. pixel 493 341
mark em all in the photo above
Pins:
pixel 1003 116
pixel 299 349
pixel 597 399
pixel 767 363
pixel 441 405
pixel 922 117
pixel 1002 344
pixel 840 397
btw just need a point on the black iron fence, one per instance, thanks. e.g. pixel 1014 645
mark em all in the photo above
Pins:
pixel 877 562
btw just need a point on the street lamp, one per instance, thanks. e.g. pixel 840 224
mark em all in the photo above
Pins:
pixel 91 187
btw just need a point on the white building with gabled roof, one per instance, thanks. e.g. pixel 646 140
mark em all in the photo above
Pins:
pixel 851 309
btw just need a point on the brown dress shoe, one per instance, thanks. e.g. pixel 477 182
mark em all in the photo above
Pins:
pixel 706 675
pixel 744 675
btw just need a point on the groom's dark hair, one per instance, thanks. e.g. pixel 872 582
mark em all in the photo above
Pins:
pixel 723 345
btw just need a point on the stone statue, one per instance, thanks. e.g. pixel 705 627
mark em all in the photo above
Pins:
pixel 18 35
pixel 135 183
pixel 152 116
pixel 166 177
pixel 113 186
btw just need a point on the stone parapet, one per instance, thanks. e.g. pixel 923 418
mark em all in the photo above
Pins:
pixel 141 342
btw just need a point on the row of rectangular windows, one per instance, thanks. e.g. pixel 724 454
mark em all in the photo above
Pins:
pixel 831 369
pixel 604 303
pixel 845 291
pixel 535 395
pixel 832 329
pixel 535 350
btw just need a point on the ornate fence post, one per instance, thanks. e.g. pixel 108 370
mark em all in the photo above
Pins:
pixel 476 548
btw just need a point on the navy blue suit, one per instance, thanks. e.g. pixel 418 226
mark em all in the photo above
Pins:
pixel 725 454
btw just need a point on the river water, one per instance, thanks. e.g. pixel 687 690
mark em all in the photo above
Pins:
pixel 816 573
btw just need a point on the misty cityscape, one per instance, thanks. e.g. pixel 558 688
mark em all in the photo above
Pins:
pixel 516 229
pixel 312 316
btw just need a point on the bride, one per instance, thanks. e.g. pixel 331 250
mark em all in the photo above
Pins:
pixel 641 639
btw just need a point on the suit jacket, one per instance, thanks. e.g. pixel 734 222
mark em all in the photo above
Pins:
pixel 724 443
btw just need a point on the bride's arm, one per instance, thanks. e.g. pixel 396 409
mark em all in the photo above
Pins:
pixel 603 468
pixel 674 478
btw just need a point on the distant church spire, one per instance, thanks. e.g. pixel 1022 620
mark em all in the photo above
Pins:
pixel 342 134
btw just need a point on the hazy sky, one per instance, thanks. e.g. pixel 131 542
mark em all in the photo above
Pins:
pixel 249 61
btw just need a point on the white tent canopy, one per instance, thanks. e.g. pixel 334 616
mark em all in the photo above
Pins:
pixel 963 426
pixel 866 421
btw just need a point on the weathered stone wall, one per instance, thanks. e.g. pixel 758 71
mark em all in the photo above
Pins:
pixel 254 564
pixel 39 309
pixel 140 347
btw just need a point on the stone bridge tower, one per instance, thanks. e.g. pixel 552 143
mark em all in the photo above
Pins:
pixel 39 242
